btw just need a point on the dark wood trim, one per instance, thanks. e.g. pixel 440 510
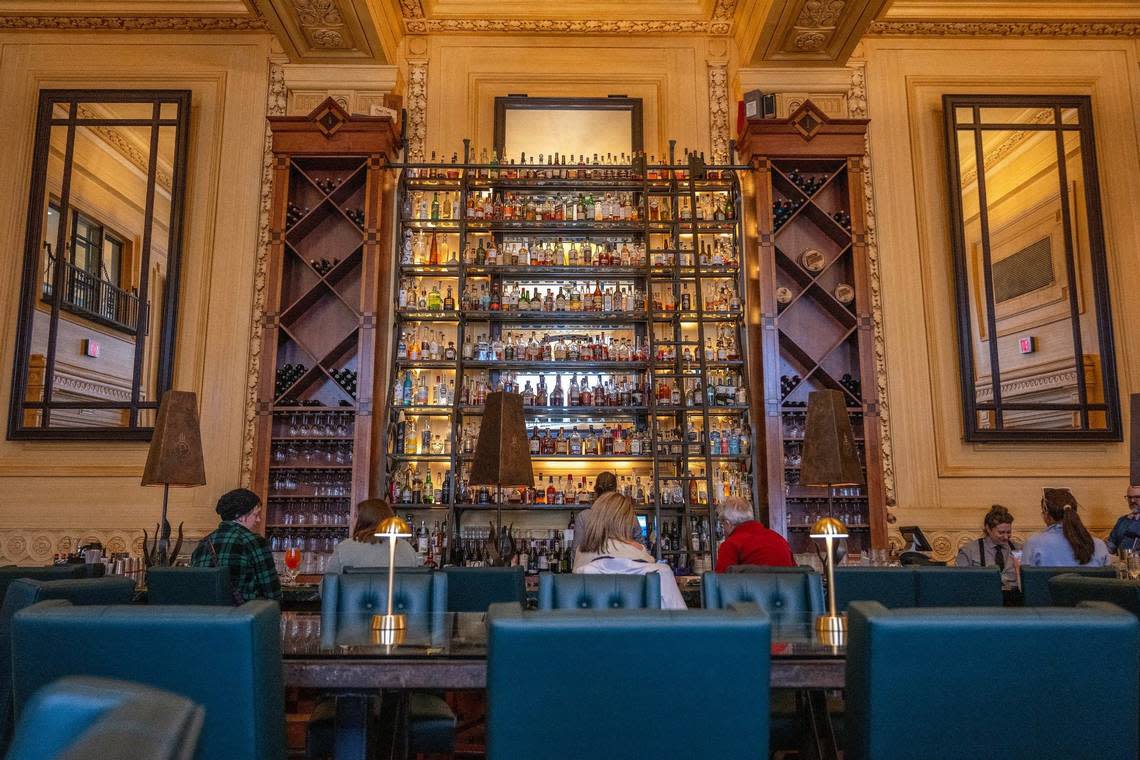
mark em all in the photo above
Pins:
pixel 1097 255
pixel 524 102
pixel 45 122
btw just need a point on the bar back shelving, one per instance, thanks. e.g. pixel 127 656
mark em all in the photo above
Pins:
pixel 610 294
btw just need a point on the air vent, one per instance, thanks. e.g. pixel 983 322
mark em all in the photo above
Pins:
pixel 1028 270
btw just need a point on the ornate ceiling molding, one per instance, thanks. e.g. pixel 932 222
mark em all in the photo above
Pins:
pixel 806 31
pixel 137 23
pixel 128 147
pixel 416 21
pixel 1007 146
pixel 1002 29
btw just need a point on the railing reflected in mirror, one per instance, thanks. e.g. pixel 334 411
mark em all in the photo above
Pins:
pixel 95 342
pixel 1034 324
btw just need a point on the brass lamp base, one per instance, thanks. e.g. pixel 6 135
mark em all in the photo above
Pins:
pixel 831 623
pixel 396 622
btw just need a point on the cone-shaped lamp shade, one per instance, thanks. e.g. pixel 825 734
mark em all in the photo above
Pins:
pixel 502 454
pixel 829 456
pixel 175 456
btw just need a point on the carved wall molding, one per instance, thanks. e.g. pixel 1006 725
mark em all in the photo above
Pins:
pixel 275 106
pixel 34 546
pixel 137 23
pixel 719 130
pixel 322 24
pixel 1003 29
pixel 417 109
pixel 129 148
pixel 857 109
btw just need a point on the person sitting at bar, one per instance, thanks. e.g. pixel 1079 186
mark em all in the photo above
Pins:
pixel 607 545
pixel 234 544
pixel 1066 541
pixel 364 549
pixel 606 482
pixel 747 541
pixel 995 548
pixel 1126 533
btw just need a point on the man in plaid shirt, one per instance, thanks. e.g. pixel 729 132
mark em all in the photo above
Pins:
pixel 235 545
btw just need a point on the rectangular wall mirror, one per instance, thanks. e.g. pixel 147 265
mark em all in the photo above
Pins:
pixel 95 339
pixel 1034 324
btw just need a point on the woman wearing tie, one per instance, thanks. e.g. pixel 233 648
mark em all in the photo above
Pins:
pixel 995 548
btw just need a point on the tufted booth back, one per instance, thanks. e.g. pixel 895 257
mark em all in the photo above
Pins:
pixel 617 674
pixel 1035 581
pixel 415 593
pixel 559 591
pixel 474 589
pixel 783 593
pixel 26 592
pixel 52 573
pixel 78 717
pixel 226 659
pixel 919 586
pixel 1070 590
pixel 948 683
pixel 189 585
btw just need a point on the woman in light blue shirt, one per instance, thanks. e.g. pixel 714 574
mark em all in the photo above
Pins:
pixel 1065 542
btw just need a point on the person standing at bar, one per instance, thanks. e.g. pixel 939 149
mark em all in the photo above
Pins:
pixel 235 545
pixel 1126 533
pixel 995 548
pixel 1065 542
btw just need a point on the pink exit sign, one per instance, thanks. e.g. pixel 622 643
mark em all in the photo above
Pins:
pixel 90 348
pixel 1027 345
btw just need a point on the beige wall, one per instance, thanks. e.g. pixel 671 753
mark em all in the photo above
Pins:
pixel 942 482
pixel 50 492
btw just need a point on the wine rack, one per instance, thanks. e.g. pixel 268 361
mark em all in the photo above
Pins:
pixel 814 295
pixel 608 295
pixel 318 342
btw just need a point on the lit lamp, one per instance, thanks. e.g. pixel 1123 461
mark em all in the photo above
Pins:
pixel 391 529
pixel 502 453
pixel 174 459
pixel 829 460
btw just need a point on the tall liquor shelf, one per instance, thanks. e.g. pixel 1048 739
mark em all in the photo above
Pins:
pixel 610 295
pixel 815 327
pixel 315 399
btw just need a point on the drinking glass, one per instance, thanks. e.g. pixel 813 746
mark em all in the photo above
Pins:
pixel 292 563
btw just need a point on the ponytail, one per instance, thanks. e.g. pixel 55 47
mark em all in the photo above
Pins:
pixel 1061 506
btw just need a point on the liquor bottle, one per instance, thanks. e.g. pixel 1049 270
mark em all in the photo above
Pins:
pixel 557 396
pixel 433 253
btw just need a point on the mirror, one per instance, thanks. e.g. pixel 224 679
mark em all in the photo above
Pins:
pixel 95 338
pixel 567 126
pixel 1035 331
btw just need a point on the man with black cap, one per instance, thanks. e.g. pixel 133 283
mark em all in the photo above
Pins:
pixel 235 545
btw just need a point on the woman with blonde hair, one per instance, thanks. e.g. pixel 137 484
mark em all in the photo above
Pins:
pixel 607 546
pixel 363 549
pixel 747 541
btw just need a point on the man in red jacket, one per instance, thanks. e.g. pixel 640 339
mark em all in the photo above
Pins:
pixel 748 542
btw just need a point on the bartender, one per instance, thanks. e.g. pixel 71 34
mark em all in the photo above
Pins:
pixel 1126 533
pixel 994 549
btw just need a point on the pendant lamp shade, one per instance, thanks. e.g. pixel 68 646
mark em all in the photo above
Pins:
pixel 502 453
pixel 175 456
pixel 829 455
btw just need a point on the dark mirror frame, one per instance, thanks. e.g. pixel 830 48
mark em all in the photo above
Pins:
pixel 17 430
pixel 611 103
pixel 1111 407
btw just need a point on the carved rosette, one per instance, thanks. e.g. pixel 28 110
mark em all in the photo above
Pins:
pixel 417 109
pixel 1002 29
pixel 857 109
pixel 275 106
pixel 322 23
pixel 719 131
pixel 22 546
pixel 816 24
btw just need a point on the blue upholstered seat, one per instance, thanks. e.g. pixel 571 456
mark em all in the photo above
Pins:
pixel 919 586
pixel 1071 589
pixel 1019 684
pixel 226 659
pixel 348 602
pixel 81 717
pixel 783 593
pixel 25 592
pixel 890 586
pixel 474 589
pixel 50 573
pixel 189 585
pixel 1035 581
pixel 561 591
pixel 609 683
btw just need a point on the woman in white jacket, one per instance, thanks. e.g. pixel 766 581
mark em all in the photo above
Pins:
pixel 607 546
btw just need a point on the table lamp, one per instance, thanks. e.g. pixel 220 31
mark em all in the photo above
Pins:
pixel 502 453
pixel 174 459
pixel 829 460
pixel 391 529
